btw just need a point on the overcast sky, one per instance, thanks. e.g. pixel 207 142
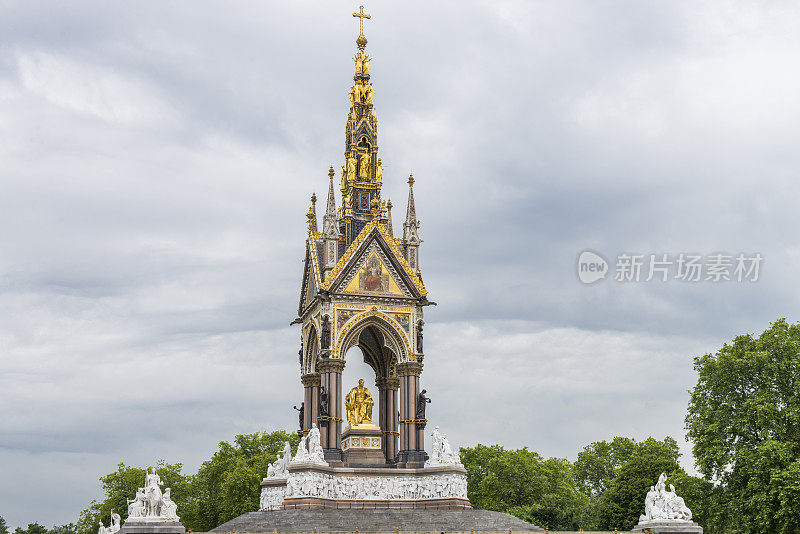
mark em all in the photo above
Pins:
pixel 157 159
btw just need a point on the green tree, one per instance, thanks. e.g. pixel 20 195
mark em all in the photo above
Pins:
pixel 619 475
pixel 122 484
pixel 3 526
pixel 522 483
pixel 227 485
pixel 598 464
pixel 744 423
pixel 33 528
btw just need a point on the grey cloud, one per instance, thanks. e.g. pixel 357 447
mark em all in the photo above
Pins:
pixel 157 160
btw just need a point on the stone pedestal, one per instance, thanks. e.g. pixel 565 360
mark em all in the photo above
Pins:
pixel 666 526
pixel 312 487
pixel 363 446
pixel 154 526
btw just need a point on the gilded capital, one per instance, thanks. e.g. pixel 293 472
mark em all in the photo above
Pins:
pixel 409 369
pixel 388 383
pixel 311 380
pixel 330 365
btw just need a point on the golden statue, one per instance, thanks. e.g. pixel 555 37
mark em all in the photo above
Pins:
pixel 364 170
pixel 379 172
pixel 351 168
pixel 344 177
pixel 355 94
pixel 368 94
pixel 358 405
pixel 362 63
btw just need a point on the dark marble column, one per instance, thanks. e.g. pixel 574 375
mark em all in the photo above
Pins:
pixel 388 388
pixel 311 383
pixel 331 377
pixel 411 451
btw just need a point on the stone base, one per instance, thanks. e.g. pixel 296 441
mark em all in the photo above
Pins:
pixel 316 503
pixel 665 526
pixel 334 457
pixel 310 487
pixel 132 526
pixel 391 520
pixel 363 446
pixel 411 459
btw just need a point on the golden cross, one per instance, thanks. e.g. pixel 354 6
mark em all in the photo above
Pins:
pixel 361 16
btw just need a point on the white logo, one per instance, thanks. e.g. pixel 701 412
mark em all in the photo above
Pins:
pixel 591 267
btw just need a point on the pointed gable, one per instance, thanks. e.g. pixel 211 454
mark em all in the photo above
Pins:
pixel 373 264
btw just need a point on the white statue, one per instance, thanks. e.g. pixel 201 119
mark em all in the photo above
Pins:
pixel 136 507
pixel 169 510
pixel 441 452
pixel 310 449
pixel 149 504
pixel 280 467
pixel 315 452
pixel 301 456
pixel 663 504
pixel 113 528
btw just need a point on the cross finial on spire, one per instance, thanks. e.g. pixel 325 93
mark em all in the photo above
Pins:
pixel 361 15
pixel 362 40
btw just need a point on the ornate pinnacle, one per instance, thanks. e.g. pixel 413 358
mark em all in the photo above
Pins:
pixel 312 214
pixel 330 227
pixel 362 40
pixel 411 179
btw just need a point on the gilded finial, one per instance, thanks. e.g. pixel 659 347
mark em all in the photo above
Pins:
pixel 331 172
pixel 362 40
pixel 375 207
pixel 411 179
pixel 313 198
pixel 389 203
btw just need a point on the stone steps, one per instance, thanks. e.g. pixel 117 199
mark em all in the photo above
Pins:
pixel 369 521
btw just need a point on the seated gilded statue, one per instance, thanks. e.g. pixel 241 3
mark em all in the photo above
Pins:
pixel 358 405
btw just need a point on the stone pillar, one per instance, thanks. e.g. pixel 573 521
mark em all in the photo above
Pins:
pixel 331 433
pixel 412 445
pixel 311 383
pixel 388 415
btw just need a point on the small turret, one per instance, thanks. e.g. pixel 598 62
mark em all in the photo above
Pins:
pixel 312 214
pixel 330 229
pixel 411 238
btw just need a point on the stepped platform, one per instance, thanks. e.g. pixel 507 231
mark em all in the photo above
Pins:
pixel 367 521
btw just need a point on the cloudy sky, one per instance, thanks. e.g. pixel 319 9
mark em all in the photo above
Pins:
pixel 157 159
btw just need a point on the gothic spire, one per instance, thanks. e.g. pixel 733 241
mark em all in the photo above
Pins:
pixel 330 227
pixel 411 226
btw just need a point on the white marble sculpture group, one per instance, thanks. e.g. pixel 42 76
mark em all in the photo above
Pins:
pixel 662 504
pixel 113 528
pixel 150 504
pixel 280 467
pixel 329 484
pixel 441 452
pixel 309 451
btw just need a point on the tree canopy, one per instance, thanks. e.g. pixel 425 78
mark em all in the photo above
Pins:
pixel 224 487
pixel 744 422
